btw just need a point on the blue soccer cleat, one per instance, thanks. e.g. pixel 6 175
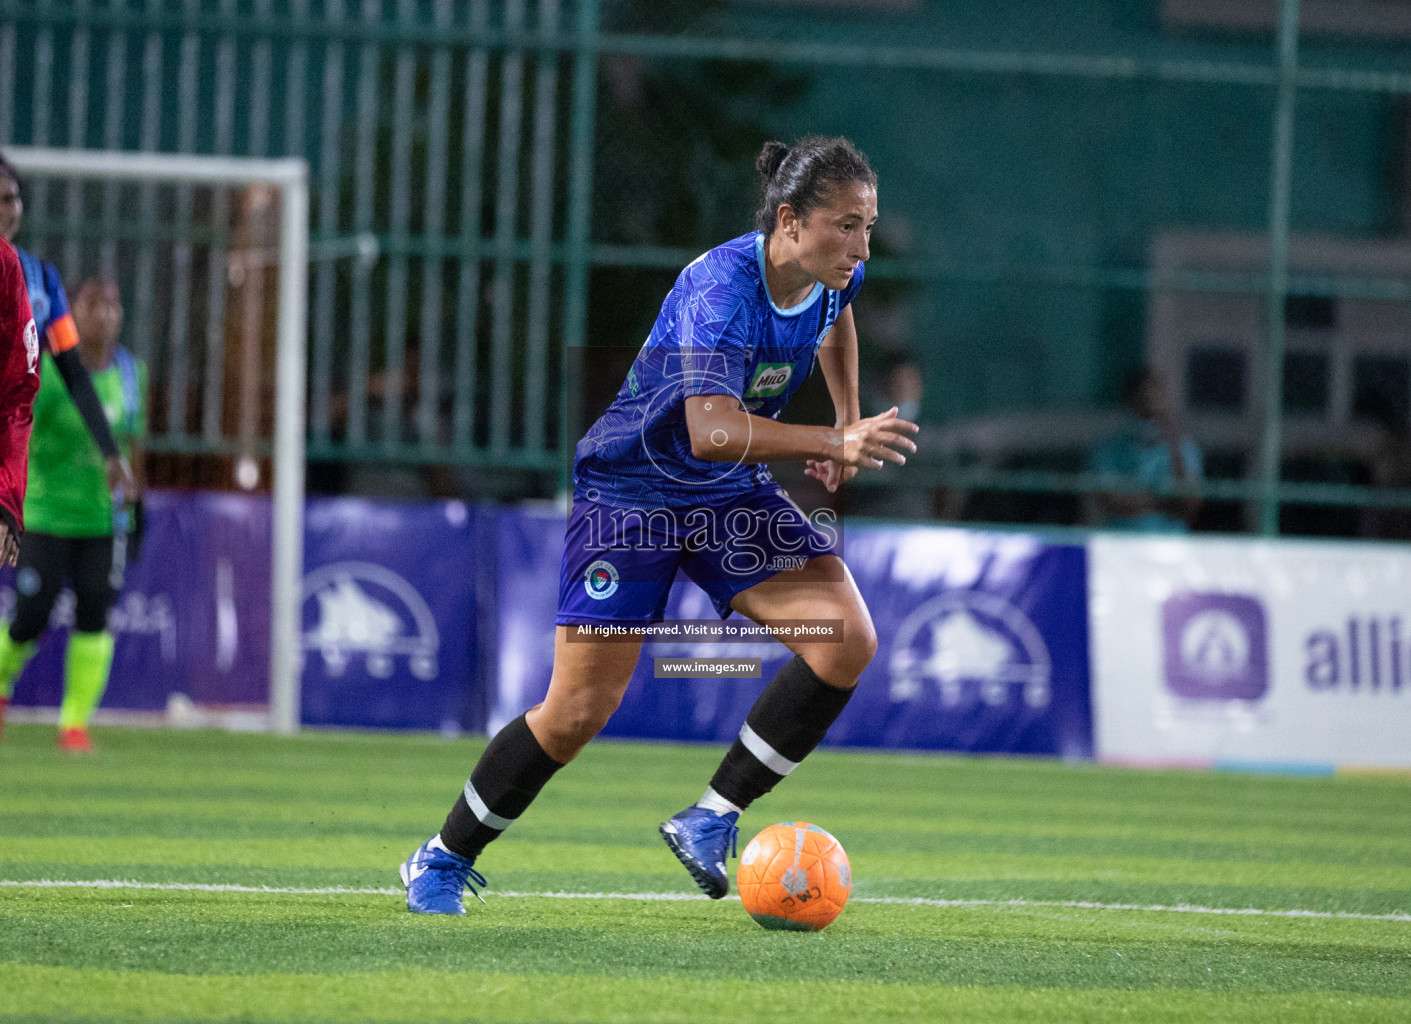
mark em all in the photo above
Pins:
pixel 699 838
pixel 435 879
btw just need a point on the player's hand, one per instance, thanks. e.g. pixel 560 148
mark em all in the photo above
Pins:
pixel 120 475
pixel 870 442
pixel 9 545
pixel 829 473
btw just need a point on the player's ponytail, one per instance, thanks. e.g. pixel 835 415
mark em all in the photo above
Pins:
pixel 769 159
pixel 806 175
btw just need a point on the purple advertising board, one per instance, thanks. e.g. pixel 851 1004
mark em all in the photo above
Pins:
pixel 193 616
pixel 439 615
pixel 982 644
pixel 388 615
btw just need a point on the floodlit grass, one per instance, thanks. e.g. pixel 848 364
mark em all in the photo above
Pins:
pixel 1002 850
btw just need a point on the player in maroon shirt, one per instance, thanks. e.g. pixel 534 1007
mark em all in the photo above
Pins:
pixel 47 313
pixel 19 380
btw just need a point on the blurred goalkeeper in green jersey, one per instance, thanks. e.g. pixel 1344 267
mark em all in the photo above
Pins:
pixel 77 530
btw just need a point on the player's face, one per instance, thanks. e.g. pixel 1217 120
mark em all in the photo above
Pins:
pixel 11 208
pixel 97 313
pixel 835 238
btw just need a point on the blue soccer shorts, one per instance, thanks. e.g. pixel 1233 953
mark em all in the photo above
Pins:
pixel 619 564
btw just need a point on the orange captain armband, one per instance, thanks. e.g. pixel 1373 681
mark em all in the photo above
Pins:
pixel 62 334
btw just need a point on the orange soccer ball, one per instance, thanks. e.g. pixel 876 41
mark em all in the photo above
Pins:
pixel 794 876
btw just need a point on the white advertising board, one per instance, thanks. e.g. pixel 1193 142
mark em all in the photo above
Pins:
pixel 1263 653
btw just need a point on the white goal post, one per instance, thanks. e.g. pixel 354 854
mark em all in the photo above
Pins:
pixel 291 177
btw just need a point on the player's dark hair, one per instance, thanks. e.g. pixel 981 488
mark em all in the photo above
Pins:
pixel 806 175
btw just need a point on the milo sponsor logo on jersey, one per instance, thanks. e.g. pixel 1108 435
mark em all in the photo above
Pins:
pixel 769 380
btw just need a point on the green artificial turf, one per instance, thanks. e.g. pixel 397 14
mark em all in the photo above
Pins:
pixel 1000 851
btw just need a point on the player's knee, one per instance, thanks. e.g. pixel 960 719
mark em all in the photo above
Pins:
pixel 859 649
pixel 584 726
pixel 867 645
pixel 840 664
pixel 860 643
pixel 572 725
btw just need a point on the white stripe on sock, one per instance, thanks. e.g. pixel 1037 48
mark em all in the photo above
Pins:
pixel 487 817
pixel 768 756
pixel 713 801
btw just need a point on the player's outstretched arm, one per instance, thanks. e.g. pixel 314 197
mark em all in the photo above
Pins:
pixel 721 431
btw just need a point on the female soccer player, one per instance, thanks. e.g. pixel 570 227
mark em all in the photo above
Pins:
pixel 55 328
pixel 673 477
pixel 69 511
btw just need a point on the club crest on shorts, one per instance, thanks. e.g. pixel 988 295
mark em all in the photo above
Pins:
pixel 600 580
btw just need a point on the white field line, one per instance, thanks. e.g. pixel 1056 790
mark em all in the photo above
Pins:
pixel 674 897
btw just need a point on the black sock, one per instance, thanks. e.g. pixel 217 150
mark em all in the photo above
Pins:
pixel 506 780
pixel 788 720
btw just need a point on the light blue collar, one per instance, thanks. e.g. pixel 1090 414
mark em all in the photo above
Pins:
pixel 796 310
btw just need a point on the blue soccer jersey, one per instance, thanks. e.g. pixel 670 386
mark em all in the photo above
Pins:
pixel 718 333
pixel 52 319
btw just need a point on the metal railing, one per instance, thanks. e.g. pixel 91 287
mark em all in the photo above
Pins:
pixel 372 93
